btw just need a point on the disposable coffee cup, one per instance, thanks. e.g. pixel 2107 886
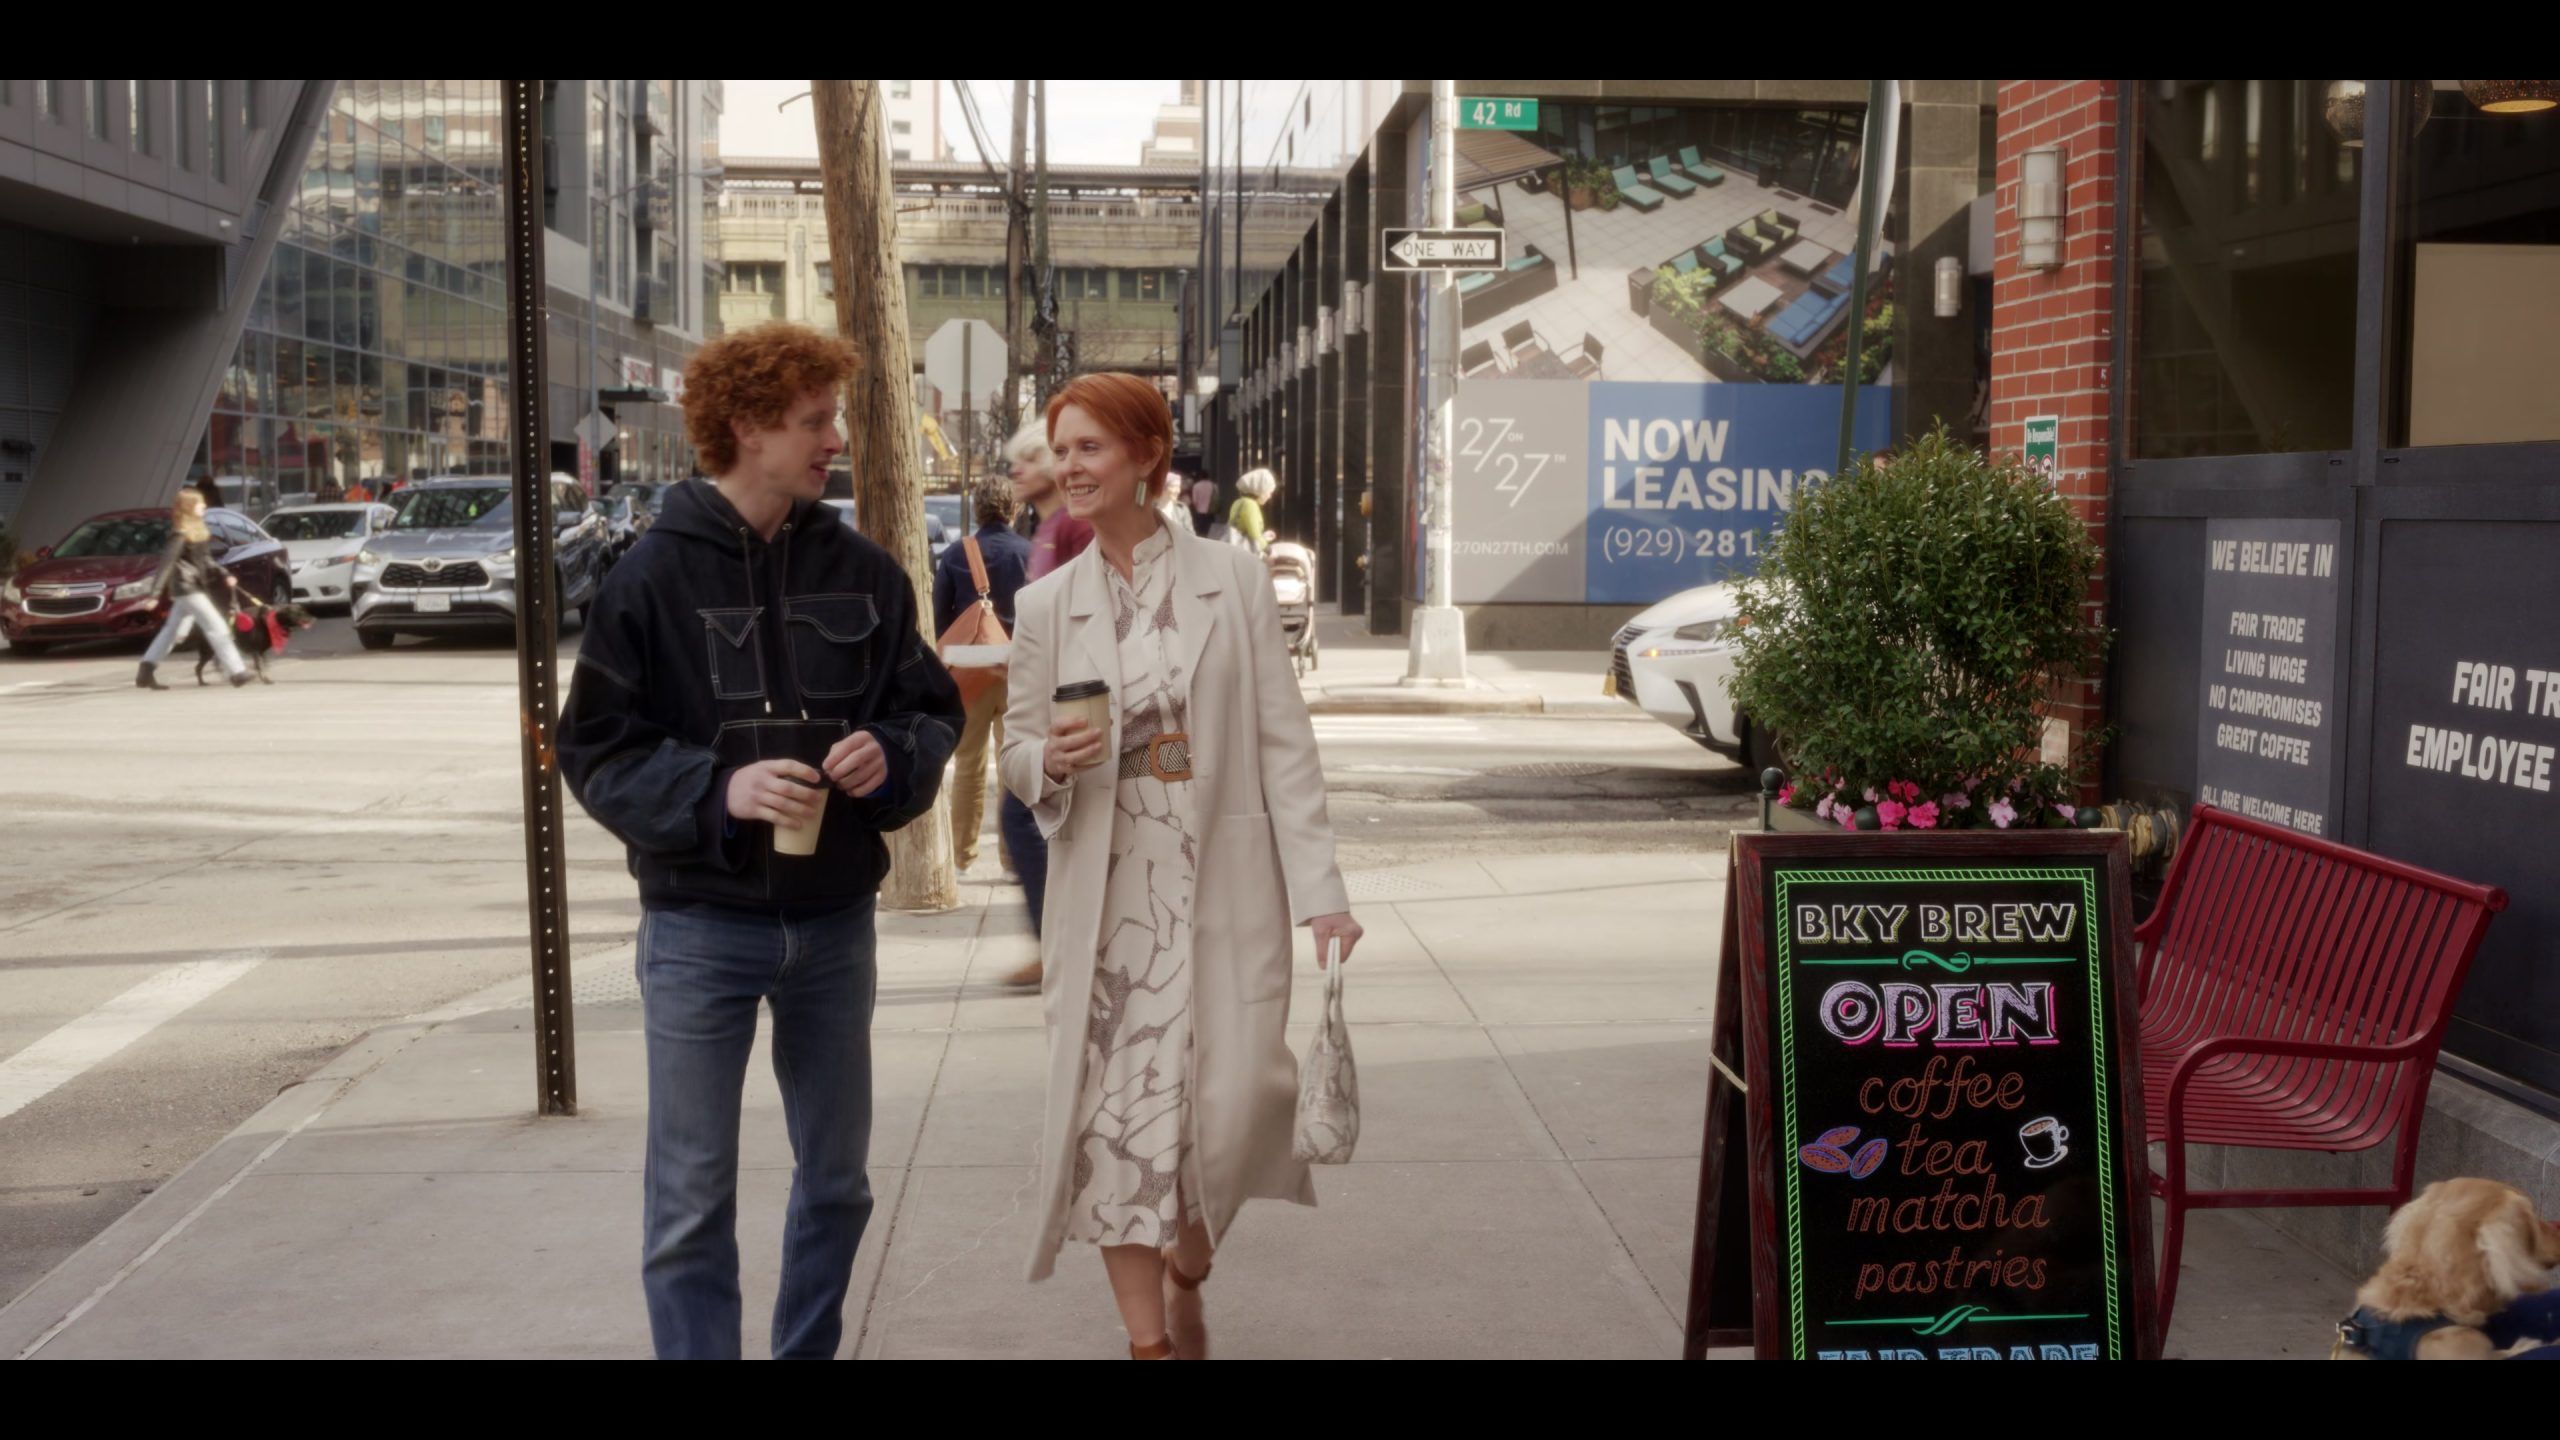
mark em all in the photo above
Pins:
pixel 802 839
pixel 1086 700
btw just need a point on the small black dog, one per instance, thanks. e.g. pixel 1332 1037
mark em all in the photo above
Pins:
pixel 255 643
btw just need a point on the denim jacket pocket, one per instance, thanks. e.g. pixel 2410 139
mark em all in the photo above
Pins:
pixel 737 661
pixel 831 643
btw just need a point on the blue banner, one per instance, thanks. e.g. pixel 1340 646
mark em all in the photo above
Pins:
pixel 1686 482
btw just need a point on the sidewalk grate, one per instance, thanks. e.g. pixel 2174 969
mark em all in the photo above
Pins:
pixel 1551 770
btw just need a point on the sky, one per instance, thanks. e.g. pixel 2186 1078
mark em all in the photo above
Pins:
pixel 1091 122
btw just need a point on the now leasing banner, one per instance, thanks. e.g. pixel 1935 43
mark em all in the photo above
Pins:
pixel 1624 492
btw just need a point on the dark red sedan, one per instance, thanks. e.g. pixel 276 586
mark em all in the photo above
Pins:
pixel 96 584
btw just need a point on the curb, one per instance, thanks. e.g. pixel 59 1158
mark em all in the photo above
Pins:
pixel 67 1291
pixel 1396 700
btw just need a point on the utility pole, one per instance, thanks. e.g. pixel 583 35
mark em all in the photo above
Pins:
pixel 1439 653
pixel 871 312
pixel 1017 246
pixel 1046 322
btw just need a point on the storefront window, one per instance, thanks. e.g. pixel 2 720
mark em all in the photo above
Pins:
pixel 2479 271
pixel 2245 316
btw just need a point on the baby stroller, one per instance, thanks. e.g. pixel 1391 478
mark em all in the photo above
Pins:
pixel 1293 582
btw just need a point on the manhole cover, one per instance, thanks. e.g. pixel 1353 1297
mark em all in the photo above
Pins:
pixel 1551 770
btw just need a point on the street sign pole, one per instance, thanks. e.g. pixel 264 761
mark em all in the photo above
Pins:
pixel 1439 653
pixel 537 609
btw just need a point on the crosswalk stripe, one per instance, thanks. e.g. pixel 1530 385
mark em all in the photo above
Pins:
pixel 72 1050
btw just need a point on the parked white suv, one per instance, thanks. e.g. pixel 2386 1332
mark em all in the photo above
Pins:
pixel 1675 663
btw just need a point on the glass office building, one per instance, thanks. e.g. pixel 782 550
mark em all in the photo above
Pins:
pixel 376 347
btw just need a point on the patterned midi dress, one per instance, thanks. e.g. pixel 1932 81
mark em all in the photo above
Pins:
pixel 1134 1161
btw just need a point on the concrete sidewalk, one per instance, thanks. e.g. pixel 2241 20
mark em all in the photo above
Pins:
pixel 1360 673
pixel 1525 1183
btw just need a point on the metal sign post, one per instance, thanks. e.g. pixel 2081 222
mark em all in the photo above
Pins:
pixel 537 609
pixel 1439 652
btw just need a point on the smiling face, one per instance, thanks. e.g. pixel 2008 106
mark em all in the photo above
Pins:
pixel 1096 469
pixel 791 458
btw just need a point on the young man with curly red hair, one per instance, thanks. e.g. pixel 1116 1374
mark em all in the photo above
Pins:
pixel 752 667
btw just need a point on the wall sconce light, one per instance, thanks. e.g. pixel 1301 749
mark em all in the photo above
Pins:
pixel 2512 97
pixel 1355 308
pixel 1950 296
pixel 2040 203
pixel 1328 329
pixel 1306 347
pixel 1208 386
pixel 2343 109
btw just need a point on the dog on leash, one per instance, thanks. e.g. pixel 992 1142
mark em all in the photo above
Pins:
pixel 257 642
pixel 2465 1270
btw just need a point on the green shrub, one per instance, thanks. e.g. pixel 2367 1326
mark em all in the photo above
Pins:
pixel 1906 625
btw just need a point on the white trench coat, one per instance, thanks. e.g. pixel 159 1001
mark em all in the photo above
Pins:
pixel 1266 861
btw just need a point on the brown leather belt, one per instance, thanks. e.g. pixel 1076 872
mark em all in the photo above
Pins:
pixel 1167 757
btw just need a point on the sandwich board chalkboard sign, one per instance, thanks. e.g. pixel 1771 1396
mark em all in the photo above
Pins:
pixel 1934 1121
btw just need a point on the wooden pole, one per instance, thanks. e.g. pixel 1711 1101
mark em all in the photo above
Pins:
pixel 871 311
pixel 1017 255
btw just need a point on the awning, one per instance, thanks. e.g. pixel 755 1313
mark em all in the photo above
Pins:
pixel 1489 157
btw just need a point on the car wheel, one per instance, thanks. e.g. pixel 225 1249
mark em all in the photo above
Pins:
pixel 1760 749
pixel 29 649
pixel 373 639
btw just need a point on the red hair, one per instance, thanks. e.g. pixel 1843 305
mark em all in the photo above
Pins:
pixel 753 377
pixel 1133 410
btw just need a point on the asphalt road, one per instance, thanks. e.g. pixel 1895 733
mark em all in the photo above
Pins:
pixel 210 893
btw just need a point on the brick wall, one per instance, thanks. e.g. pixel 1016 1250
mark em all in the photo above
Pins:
pixel 2052 331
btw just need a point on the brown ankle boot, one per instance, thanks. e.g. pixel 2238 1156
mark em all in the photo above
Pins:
pixel 1186 1319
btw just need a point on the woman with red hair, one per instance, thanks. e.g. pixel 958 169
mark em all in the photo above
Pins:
pixel 1187 835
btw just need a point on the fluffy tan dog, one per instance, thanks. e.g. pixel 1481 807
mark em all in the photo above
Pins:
pixel 2460 1252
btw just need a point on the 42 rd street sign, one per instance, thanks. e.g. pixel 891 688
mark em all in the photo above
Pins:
pixel 1419 251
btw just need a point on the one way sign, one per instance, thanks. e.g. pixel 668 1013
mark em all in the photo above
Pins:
pixel 1417 251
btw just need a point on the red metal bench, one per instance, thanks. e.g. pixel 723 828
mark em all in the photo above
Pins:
pixel 2294 994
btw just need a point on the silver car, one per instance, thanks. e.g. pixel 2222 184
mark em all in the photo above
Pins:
pixel 447 562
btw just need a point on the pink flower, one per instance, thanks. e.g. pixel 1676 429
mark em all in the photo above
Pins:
pixel 2067 812
pixel 1891 813
pixel 1871 794
pixel 1973 784
pixel 1786 793
pixel 1924 816
pixel 1904 791
pixel 1847 817
pixel 1822 811
pixel 2002 813
pixel 1956 800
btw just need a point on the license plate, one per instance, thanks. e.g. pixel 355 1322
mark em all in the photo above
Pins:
pixel 1609 685
pixel 434 604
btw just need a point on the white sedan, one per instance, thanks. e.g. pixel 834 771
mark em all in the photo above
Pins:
pixel 321 543
pixel 1675 663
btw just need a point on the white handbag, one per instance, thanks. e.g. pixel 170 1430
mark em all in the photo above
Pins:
pixel 1328 1085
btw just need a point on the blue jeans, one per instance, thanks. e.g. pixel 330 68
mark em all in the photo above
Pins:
pixel 188 613
pixel 703 971
pixel 1030 852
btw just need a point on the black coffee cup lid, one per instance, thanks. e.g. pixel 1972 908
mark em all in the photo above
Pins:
pixel 1081 690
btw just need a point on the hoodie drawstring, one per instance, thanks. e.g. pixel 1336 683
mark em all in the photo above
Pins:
pixel 781 591
pixel 747 563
